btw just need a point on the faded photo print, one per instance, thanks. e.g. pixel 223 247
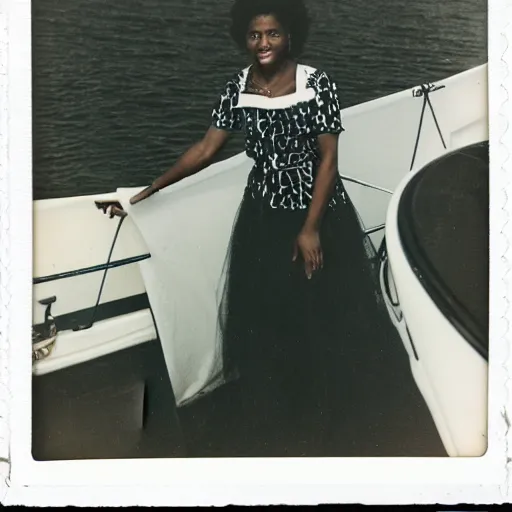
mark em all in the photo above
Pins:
pixel 260 228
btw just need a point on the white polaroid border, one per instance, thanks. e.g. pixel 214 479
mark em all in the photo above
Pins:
pixel 223 481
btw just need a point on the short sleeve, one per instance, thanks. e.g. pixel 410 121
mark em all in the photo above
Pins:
pixel 224 115
pixel 326 111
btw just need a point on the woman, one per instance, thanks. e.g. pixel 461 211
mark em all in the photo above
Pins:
pixel 298 286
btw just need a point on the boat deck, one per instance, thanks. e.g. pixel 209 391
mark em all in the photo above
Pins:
pixel 121 406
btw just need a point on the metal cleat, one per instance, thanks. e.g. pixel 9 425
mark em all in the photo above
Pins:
pixel 44 342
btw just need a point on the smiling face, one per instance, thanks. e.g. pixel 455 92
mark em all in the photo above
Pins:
pixel 267 40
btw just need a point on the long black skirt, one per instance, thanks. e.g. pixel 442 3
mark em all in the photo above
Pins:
pixel 297 346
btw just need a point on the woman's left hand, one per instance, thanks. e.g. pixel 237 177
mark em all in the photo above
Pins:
pixel 308 243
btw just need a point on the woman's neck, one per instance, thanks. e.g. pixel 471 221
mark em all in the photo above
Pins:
pixel 271 72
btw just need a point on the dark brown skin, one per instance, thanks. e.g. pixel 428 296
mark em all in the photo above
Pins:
pixel 273 68
pixel 268 43
pixel 308 240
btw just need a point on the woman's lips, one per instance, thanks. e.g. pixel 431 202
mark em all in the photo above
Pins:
pixel 264 56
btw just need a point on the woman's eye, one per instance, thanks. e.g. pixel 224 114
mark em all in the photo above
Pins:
pixel 274 34
pixel 253 36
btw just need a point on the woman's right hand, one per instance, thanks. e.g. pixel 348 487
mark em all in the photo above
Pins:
pixel 143 194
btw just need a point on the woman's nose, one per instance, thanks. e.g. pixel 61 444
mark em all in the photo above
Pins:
pixel 264 42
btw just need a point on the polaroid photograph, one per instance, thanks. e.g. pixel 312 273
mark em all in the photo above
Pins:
pixel 254 252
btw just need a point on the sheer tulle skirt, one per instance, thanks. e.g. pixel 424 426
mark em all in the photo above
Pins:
pixel 298 346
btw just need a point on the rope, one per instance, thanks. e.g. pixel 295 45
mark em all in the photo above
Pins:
pixel 418 134
pixel 365 184
pixel 425 90
pixel 435 120
pixel 93 316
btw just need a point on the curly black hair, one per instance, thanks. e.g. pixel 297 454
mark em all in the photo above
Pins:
pixel 292 14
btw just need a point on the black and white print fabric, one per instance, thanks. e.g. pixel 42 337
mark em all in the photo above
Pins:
pixel 281 135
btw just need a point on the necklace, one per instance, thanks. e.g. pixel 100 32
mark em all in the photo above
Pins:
pixel 258 88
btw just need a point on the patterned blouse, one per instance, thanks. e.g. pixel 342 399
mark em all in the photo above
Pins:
pixel 281 135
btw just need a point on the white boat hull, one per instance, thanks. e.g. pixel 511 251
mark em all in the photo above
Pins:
pixel 447 368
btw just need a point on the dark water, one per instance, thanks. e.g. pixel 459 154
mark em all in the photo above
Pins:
pixel 122 87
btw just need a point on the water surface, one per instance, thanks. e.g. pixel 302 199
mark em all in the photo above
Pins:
pixel 122 88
